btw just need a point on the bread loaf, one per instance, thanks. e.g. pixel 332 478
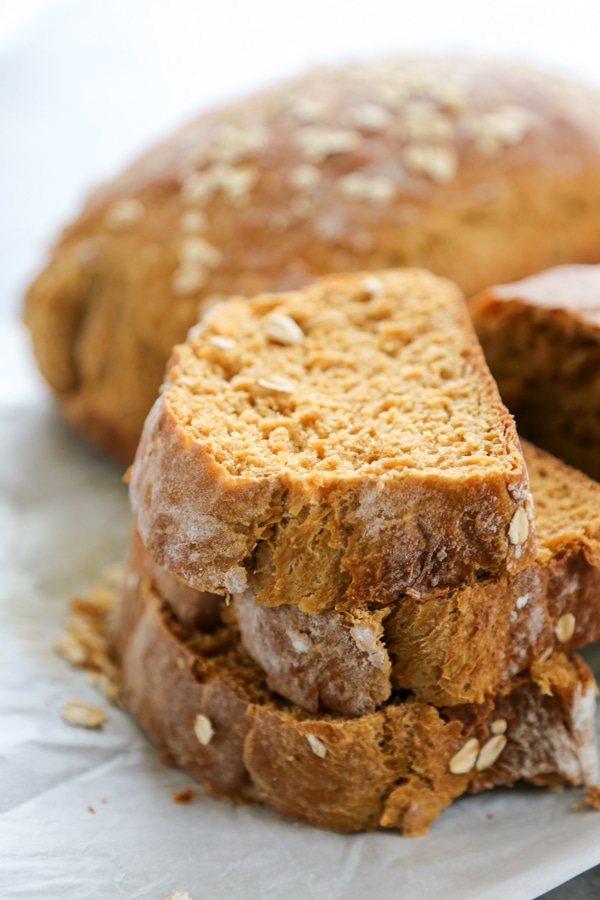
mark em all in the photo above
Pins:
pixel 340 444
pixel 208 705
pixel 541 338
pixel 482 172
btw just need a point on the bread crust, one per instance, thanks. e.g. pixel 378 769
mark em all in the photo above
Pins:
pixel 387 769
pixel 541 337
pixel 482 172
pixel 224 514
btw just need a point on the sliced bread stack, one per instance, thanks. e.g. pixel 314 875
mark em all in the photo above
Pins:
pixel 336 464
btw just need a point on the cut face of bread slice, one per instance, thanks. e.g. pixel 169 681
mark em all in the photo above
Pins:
pixel 541 338
pixel 344 442
pixel 447 650
pixel 209 706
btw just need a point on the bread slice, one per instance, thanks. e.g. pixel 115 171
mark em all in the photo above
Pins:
pixel 541 338
pixel 206 703
pixel 344 442
pixel 482 171
pixel 453 649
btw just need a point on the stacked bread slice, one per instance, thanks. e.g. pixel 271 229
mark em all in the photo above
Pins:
pixel 541 337
pixel 336 604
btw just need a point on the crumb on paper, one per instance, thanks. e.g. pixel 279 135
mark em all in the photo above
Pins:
pixel 103 800
pixel 491 815
pixel 179 895
pixel 165 759
pixel 185 796
pixel 83 714
pixel 83 643
pixel 592 797
pixel 91 809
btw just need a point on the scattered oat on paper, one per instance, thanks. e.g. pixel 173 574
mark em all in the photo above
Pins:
pixel 83 643
pixel 79 712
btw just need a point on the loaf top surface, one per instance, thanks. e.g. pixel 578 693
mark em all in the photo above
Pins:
pixel 482 172
pixel 352 426
pixel 571 289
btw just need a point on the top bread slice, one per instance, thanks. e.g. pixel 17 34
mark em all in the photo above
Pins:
pixel 479 171
pixel 541 338
pixel 341 443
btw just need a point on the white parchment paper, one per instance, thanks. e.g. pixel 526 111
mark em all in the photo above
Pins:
pixel 63 518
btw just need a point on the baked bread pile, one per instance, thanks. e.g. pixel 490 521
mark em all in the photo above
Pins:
pixel 340 602
pixel 336 604
pixel 478 171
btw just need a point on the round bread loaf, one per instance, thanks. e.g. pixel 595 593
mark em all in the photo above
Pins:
pixel 481 172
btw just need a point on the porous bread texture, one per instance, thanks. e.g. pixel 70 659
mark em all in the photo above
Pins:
pixel 446 650
pixel 369 457
pixel 209 707
pixel 452 650
pixel 541 337
pixel 481 171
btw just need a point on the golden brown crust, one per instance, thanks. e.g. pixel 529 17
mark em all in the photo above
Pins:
pixel 395 466
pixel 481 172
pixel 396 768
pixel 541 337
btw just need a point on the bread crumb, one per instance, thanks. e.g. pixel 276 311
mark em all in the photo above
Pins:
pixel 592 797
pixel 83 643
pixel 179 895
pixel 91 809
pixel 184 797
pixel 83 714
pixel 165 759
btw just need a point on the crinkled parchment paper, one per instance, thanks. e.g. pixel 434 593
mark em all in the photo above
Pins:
pixel 63 518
